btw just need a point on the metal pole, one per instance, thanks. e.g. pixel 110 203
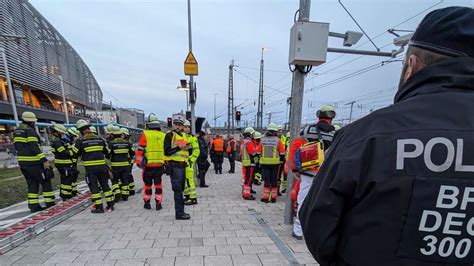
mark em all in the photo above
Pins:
pixel 215 117
pixel 296 110
pixel 191 78
pixel 352 105
pixel 10 87
pixel 230 100
pixel 260 94
pixel 64 99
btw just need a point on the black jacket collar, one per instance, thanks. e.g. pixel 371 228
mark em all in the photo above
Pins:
pixel 447 75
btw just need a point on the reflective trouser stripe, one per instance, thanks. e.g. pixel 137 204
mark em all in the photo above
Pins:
pixel 109 196
pixel 124 190
pixel 97 198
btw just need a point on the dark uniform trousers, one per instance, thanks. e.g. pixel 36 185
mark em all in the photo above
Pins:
pixel 34 178
pixel 131 182
pixel 120 177
pixel 203 166
pixel 153 176
pixel 178 175
pixel 218 159
pixel 97 181
pixel 270 175
pixel 66 175
pixel 74 176
pixel 232 161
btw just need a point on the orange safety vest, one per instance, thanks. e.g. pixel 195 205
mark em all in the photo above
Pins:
pixel 218 145
pixel 231 145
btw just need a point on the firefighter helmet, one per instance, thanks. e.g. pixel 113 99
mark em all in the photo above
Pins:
pixel 326 111
pixel 249 130
pixel 272 127
pixel 125 131
pixel 59 128
pixel 179 118
pixel 73 131
pixel 28 117
pixel 257 135
pixel 109 128
pixel 187 123
pixel 93 129
pixel 81 123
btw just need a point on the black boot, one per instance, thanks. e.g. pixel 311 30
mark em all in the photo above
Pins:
pixel 251 197
pixel 98 209
pixel 253 191
pixel 110 206
pixel 37 209
pixel 131 192
pixel 124 197
pixel 147 205
pixel 191 202
pixel 183 216
pixel 203 185
pixel 158 206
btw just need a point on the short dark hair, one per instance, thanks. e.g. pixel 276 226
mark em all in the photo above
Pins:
pixel 426 57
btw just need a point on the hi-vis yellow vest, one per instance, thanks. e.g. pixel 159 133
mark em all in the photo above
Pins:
pixel 154 151
pixel 270 155
pixel 180 156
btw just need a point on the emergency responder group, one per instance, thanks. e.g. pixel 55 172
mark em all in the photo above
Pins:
pixel 176 152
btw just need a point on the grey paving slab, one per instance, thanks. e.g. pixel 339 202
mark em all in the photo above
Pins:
pixel 168 261
pixel 222 231
pixel 176 252
pixel 192 260
pixel 149 253
pixel 203 250
pixel 219 260
pixel 246 260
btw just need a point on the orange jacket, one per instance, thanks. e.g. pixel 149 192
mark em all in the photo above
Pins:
pixel 218 145
pixel 231 146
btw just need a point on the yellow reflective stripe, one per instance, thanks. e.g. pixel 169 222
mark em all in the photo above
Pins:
pixel 61 149
pixel 33 201
pixel 32 139
pixel 33 195
pixel 53 149
pixel 65 186
pixel 120 163
pixel 63 161
pixel 74 149
pixel 20 139
pixel 48 193
pixel 121 151
pixel 93 148
pixel 95 162
pixel 32 158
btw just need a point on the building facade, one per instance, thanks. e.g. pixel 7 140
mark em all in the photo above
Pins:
pixel 36 63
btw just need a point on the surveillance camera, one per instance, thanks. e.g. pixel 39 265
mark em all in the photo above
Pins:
pixel 402 40
pixel 352 37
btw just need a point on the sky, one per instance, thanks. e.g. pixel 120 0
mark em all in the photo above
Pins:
pixel 136 50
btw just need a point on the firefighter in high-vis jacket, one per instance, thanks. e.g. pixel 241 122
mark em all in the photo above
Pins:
pixel 63 160
pixel 282 182
pixel 176 148
pixel 74 135
pixel 247 153
pixel 33 163
pixel 121 152
pixel 151 158
pixel 272 153
pixel 93 150
pixel 257 172
pixel 130 179
pixel 190 196
pixel 320 133
pixel 217 148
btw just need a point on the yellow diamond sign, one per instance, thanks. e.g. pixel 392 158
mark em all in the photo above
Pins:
pixel 190 65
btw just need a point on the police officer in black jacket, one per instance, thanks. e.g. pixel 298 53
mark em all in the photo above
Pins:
pixel 397 187
pixel 202 163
